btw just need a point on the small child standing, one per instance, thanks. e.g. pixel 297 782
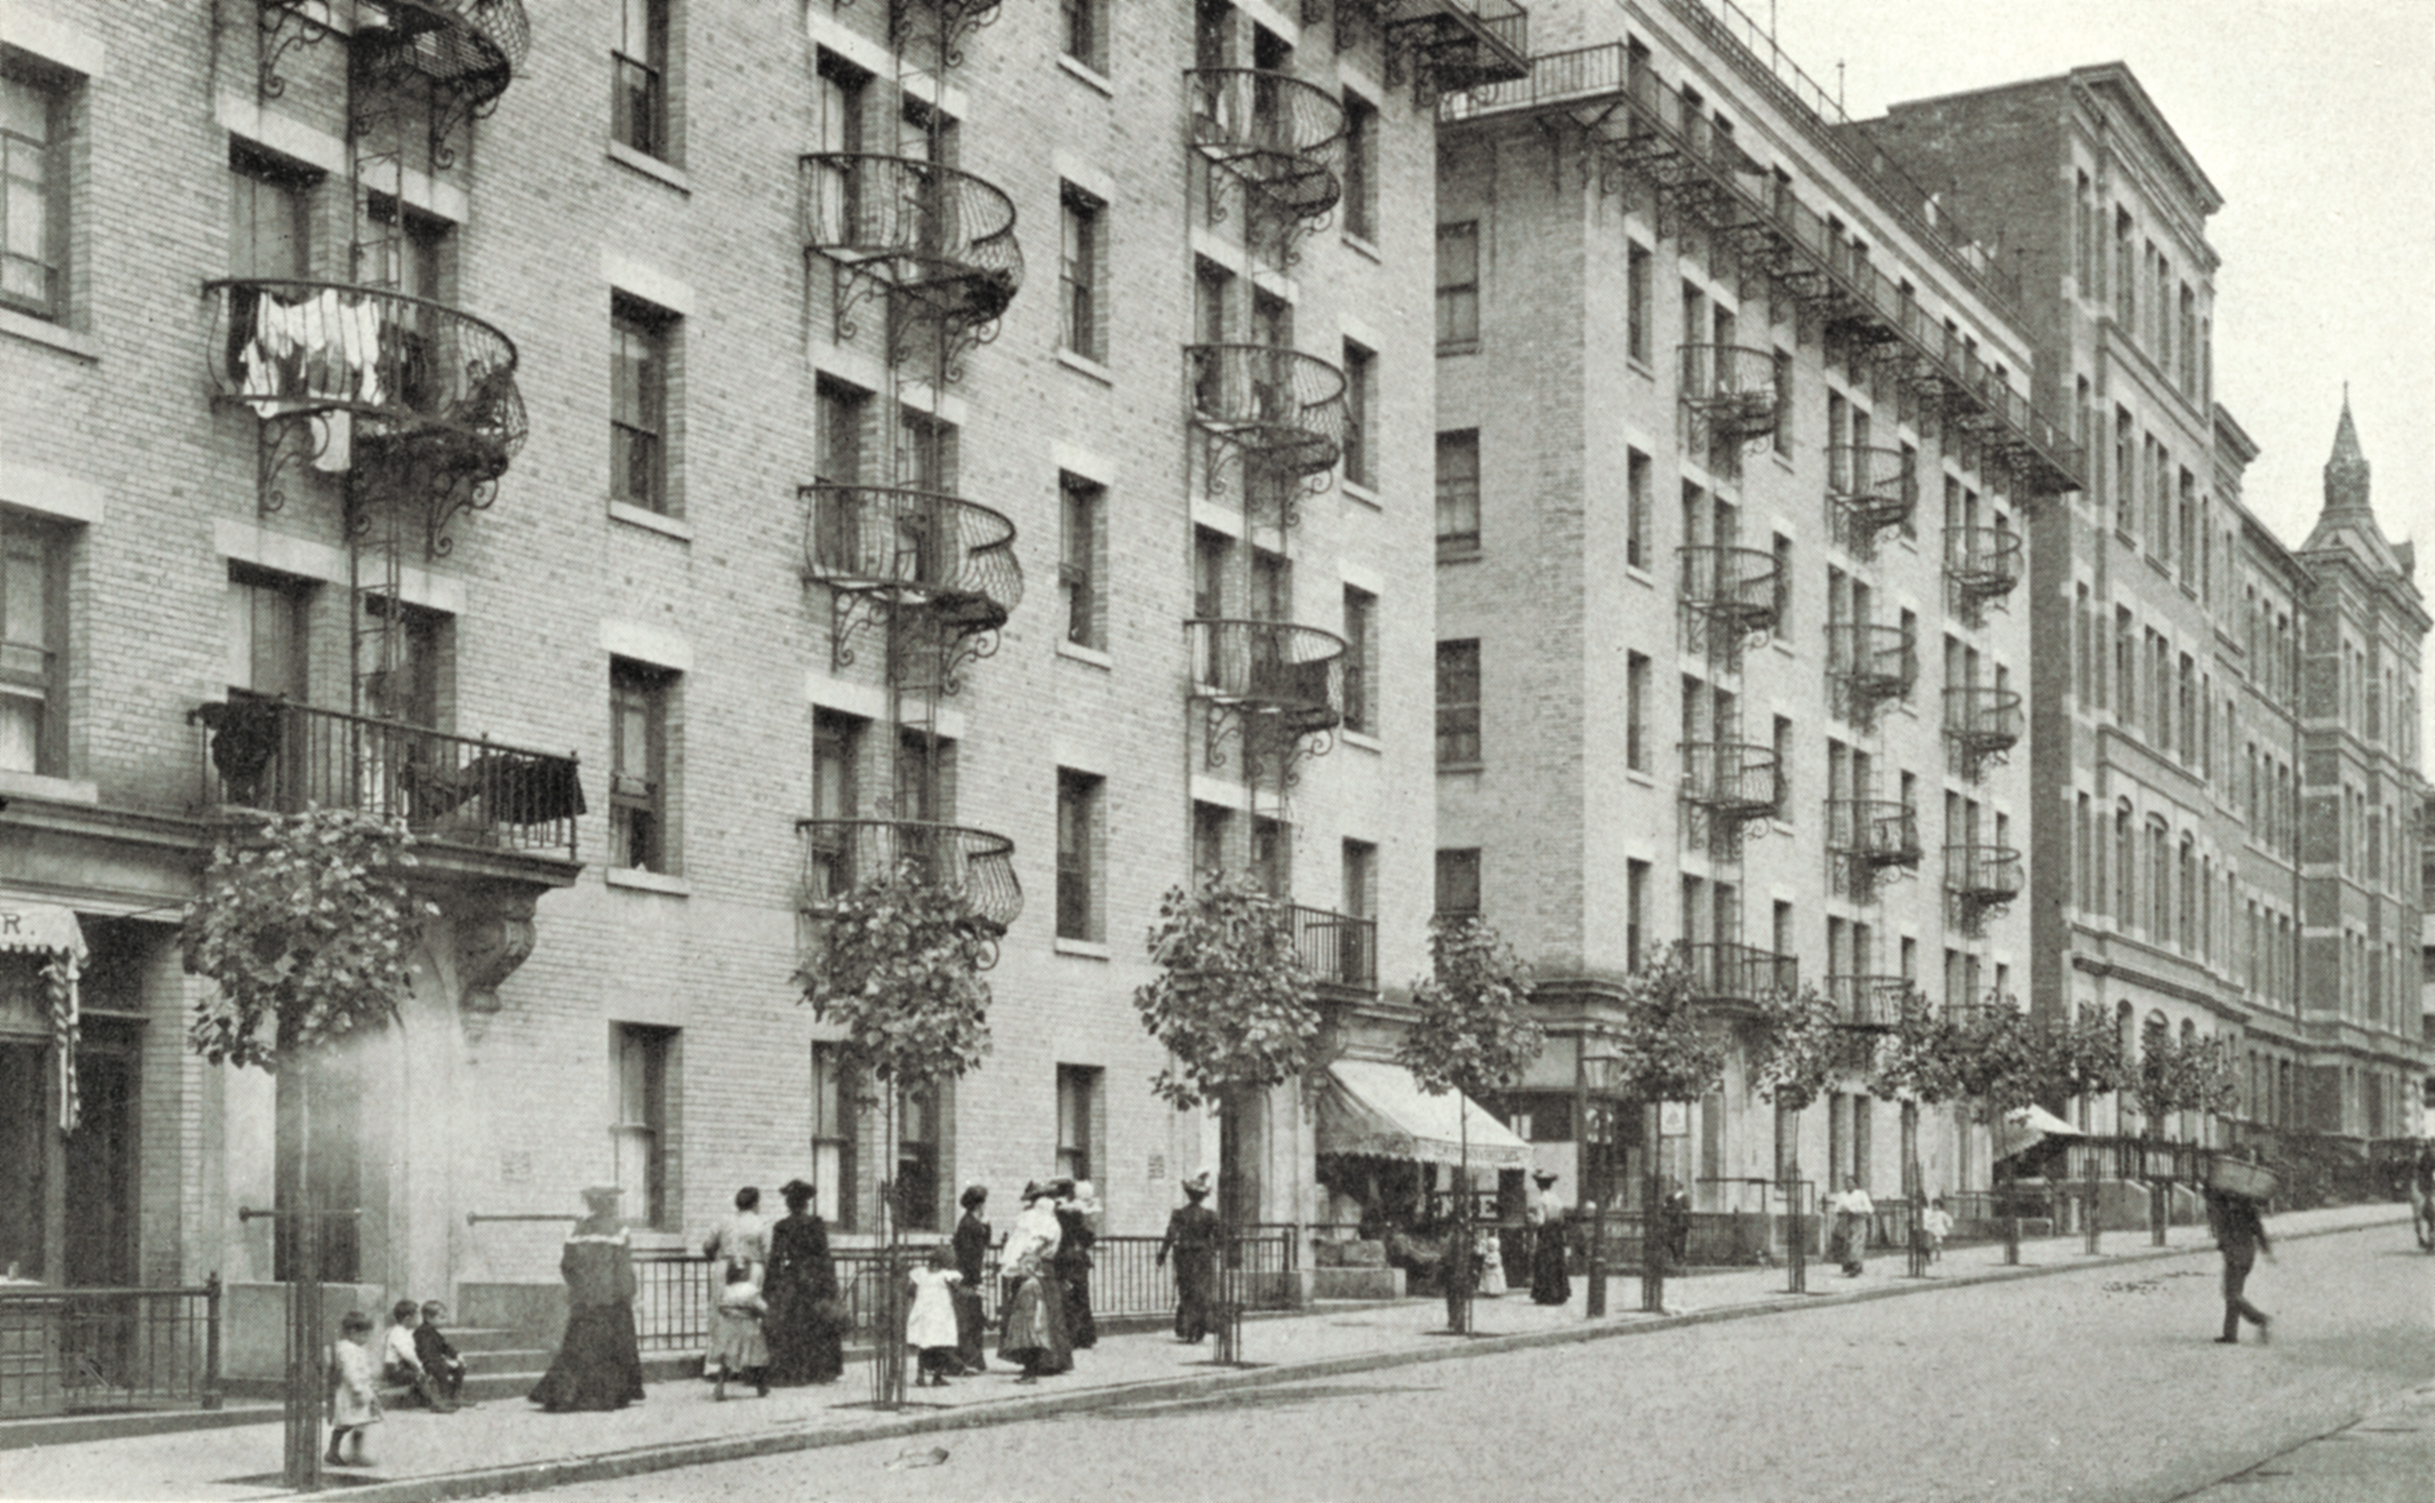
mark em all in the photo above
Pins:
pixel 1489 1249
pixel 354 1402
pixel 1938 1224
pixel 930 1329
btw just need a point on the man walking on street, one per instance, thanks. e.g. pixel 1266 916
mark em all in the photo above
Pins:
pixel 2242 1236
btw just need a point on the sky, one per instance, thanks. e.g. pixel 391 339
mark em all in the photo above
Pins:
pixel 2311 118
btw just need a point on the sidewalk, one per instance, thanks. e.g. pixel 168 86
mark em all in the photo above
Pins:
pixel 508 1446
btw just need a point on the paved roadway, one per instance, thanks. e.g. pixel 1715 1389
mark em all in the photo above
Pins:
pixel 2099 1384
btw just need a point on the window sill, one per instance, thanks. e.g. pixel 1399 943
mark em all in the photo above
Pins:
pixel 1458 553
pixel 650 521
pixel 1458 347
pixel 1634 774
pixel 1084 364
pixel 1077 68
pixel 1360 245
pixel 1086 949
pixel 34 785
pixel 1354 490
pixel 650 167
pixel 1364 740
pixel 1637 573
pixel 646 881
pixel 1081 654
pixel 34 330
pixel 1462 767
pixel 1640 366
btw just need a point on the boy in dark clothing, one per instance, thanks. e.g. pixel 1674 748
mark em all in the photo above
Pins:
pixel 2242 1236
pixel 441 1363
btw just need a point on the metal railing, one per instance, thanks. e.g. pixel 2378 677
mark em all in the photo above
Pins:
pixel 1874 662
pixel 453 790
pixel 412 371
pixel 1864 1001
pixel 1273 130
pixel 943 235
pixel 1725 971
pixel 1732 388
pixel 1983 873
pixel 1880 831
pixel 956 555
pixel 1982 717
pixel 1338 949
pixel 1461 43
pixel 1874 488
pixel 1983 562
pixel 976 865
pixel 81 1351
pixel 1737 779
pixel 1294 672
pixel 1277 403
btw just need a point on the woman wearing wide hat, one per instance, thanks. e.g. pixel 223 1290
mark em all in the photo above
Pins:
pixel 1035 1308
pixel 1549 1283
pixel 1192 1235
pixel 806 1335
pixel 971 1241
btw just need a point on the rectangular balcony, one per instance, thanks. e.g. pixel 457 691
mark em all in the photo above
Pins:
pixel 1339 949
pixel 1733 977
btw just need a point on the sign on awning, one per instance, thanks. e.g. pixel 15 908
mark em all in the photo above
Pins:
pixel 49 930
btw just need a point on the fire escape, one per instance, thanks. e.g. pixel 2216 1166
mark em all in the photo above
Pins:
pixel 1982 567
pixel 1442 46
pixel 376 389
pixel 913 571
pixel 1868 490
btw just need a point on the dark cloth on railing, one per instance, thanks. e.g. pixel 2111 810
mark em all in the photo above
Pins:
pixel 1072 1266
pixel 971 1241
pixel 515 788
pixel 1192 1236
pixel 599 1365
pixel 244 739
pixel 804 1327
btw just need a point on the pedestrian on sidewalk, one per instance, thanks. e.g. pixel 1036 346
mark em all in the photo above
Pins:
pixel 1938 1224
pixel 1035 1335
pixel 438 1355
pixel 400 1364
pixel 739 1347
pixel 1674 1218
pixel 805 1333
pixel 1853 1213
pixel 1488 1253
pixel 599 1364
pixel 354 1402
pixel 2241 1234
pixel 1192 1235
pixel 931 1328
pixel 1077 1223
pixel 972 1239
pixel 1549 1283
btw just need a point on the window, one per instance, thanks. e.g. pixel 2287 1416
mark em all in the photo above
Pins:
pixel 1079 269
pixel 409 688
pixel 1636 902
pixel 1077 868
pixel 1636 523
pixel 1458 287
pixel 1077 1119
pixel 1360 168
pixel 1458 490
pixel 917 1157
pixel 33 195
pixel 1084 28
pixel 1783 587
pixel 638 404
pixel 1210 824
pixel 1360 649
pixel 266 631
pixel 1784 404
pixel 837 1103
pixel 1458 881
pixel 836 747
pixel 1636 712
pixel 639 115
pixel 638 757
pixel 1077 561
pixel 1360 377
pixel 1783 769
pixel 1272 856
pixel 268 225
pixel 1458 704
pixel 33 636
pixel 1638 311
pixel 640 1141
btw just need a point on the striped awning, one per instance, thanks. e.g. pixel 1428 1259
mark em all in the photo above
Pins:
pixel 1372 1107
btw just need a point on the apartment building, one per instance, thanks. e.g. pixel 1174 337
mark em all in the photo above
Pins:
pixel 617 440
pixel 2225 728
pixel 1736 468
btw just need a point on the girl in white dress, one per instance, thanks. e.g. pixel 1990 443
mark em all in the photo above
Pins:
pixel 1491 1257
pixel 930 1330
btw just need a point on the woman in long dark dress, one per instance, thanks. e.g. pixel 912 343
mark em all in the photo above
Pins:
pixel 1549 1283
pixel 1192 1235
pixel 1076 1206
pixel 806 1343
pixel 971 1254
pixel 599 1364
pixel 1034 1336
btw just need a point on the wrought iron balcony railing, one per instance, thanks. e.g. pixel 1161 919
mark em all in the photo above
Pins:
pixel 1865 1001
pixel 278 755
pixel 1872 489
pixel 1983 874
pixel 1272 130
pixel 472 48
pixel 1983 719
pixel 1732 975
pixel 1459 44
pixel 945 237
pixel 977 866
pixel 1871 663
pixel 1294 673
pixel 1282 408
pixel 1983 562
pixel 957 557
pixel 1338 949
pixel 1878 831
pixel 1732 779
pixel 1731 389
pixel 1737 585
pixel 412 372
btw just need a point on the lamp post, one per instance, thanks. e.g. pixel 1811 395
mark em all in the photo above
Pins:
pixel 1595 1071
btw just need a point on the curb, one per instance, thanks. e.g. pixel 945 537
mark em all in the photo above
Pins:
pixel 607 1466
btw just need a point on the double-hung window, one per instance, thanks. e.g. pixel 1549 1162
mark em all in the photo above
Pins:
pixel 33 634
pixel 1084 504
pixel 1079 273
pixel 640 108
pixel 1458 287
pixel 1077 868
pixel 639 340
pixel 1360 626
pixel 1458 704
pixel 638 758
pixel 33 194
pixel 1458 491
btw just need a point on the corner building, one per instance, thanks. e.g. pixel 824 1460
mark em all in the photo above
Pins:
pixel 682 458
pixel 1736 469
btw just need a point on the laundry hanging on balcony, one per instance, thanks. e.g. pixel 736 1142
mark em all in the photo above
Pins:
pixel 1376 1108
pixel 51 931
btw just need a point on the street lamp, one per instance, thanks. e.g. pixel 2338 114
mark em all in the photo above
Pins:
pixel 1596 1067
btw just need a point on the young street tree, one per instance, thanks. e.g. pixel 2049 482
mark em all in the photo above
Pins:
pixel 1663 1051
pixel 1232 1001
pixel 1799 1046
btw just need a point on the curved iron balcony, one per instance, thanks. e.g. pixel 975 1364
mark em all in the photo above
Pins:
pixel 1875 488
pixel 472 47
pixel 1732 779
pixel 1295 673
pixel 942 235
pixel 1983 719
pixel 1731 388
pixel 1874 663
pixel 412 371
pixel 1984 562
pixel 955 556
pixel 1867 1001
pixel 1983 873
pixel 978 867
pixel 1734 976
pixel 1271 130
pixel 1736 584
pixel 1278 404
pixel 1460 44
pixel 1879 831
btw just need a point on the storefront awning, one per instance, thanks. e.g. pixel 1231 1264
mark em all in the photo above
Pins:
pixel 1371 1107
pixel 41 926
pixel 46 929
pixel 2028 1126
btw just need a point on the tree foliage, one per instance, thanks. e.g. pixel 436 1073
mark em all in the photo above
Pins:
pixel 1475 1032
pixel 307 927
pixel 2183 1075
pixel 899 964
pixel 2084 1058
pixel 1798 1047
pixel 1232 1000
pixel 1664 1050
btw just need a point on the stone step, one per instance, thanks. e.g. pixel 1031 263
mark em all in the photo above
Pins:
pixel 506 1359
